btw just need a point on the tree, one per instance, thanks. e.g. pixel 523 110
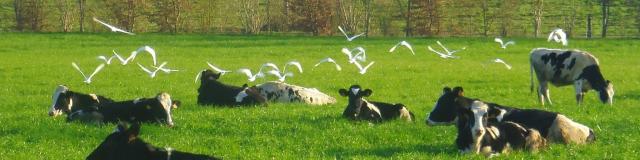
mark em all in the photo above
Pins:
pixel 605 17
pixel 537 7
pixel 65 10
pixel 315 16
pixel 251 17
pixel 81 6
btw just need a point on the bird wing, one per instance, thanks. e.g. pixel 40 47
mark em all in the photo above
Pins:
pixel 354 37
pixel 78 68
pixel 434 51
pixel 369 65
pixel 406 44
pixel 445 48
pixel 499 41
pixel 275 73
pixel 198 76
pixel 246 72
pixel 274 66
pixel 149 50
pixel 144 69
pixel 113 28
pixel 96 71
pixel 394 47
pixel 347 52
pixel 216 68
pixel 509 43
pixel 323 61
pixel 294 63
pixel 344 33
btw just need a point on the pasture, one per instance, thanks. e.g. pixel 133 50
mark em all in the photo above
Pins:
pixel 32 65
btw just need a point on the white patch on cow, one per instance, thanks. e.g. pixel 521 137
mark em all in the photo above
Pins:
pixel 479 109
pixel 280 92
pixel 56 94
pixel 355 91
pixel 95 97
pixel 405 114
pixel 493 132
pixel 165 100
pixel 372 107
pixel 241 95
pixel 70 104
pixel 501 114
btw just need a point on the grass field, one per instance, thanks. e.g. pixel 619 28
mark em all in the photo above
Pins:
pixel 31 65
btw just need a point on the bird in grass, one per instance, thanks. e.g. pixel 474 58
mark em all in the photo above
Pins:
pixel 113 29
pixel 221 71
pixel 498 60
pixel 558 36
pixel 88 79
pixel 152 74
pixel 502 44
pixel 330 60
pixel 105 59
pixel 403 43
pixel 442 55
pixel 281 76
pixel 125 61
pixel 363 70
pixel 450 53
pixel 360 56
pixel 349 38
pixel 251 77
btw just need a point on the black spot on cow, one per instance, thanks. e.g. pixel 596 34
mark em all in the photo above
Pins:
pixel 573 63
pixel 593 75
pixel 291 92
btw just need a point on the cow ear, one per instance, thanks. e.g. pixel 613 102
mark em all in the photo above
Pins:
pixel 458 91
pixel 366 93
pixel 343 92
pixel 446 90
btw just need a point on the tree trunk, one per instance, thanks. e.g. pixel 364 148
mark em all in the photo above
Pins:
pixel 18 12
pixel 367 17
pixel 408 19
pixel 589 31
pixel 485 20
pixel 537 14
pixel 605 17
pixel 81 5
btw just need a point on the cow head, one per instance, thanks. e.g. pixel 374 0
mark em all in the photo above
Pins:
pixel 208 75
pixel 606 94
pixel 445 109
pixel 123 143
pixel 479 119
pixel 250 95
pixel 62 102
pixel 355 94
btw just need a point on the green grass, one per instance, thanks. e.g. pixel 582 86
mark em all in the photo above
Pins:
pixel 31 65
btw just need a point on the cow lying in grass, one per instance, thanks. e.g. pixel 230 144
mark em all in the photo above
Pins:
pixel 479 136
pixel 124 143
pixel 214 92
pixel 553 126
pixel 98 109
pixel 361 109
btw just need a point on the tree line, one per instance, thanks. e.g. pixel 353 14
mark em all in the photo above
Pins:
pixel 529 18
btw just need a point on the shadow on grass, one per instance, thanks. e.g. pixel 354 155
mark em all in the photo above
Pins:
pixel 390 152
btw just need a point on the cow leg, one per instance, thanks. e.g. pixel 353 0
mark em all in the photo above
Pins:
pixel 579 92
pixel 543 93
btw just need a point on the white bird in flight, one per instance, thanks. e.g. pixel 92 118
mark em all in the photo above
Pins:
pixel 124 61
pixel 498 60
pixel 105 59
pixel 284 68
pixel 165 70
pixel 558 36
pixel 88 79
pixel 221 71
pixel 251 77
pixel 113 29
pixel 363 70
pixel 149 50
pixel 152 74
pixel 330 60
pixel 450 53
pixel 360 56
pixel 502 44
pixel 403 43
pixel 349 38
pixel 442 55
pixel 281 76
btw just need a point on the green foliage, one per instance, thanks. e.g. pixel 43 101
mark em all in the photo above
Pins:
pixel 33 64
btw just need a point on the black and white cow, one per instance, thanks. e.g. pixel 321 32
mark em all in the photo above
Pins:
pixel 553 126
pixel 361 109
pixel 476 134
pixel 566 67
pixel 153 110
pixel 124 143
pixel 67 102
pixel 214 92
pixel 287 93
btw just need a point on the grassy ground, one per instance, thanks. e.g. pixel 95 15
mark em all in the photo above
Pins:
pixel 31 65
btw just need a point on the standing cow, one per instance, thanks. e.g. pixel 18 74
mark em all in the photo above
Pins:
pixel 566 67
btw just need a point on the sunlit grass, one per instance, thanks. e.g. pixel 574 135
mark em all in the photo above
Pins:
pixel 31 65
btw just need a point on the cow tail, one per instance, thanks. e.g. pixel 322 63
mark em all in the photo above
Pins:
pixel 531 77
